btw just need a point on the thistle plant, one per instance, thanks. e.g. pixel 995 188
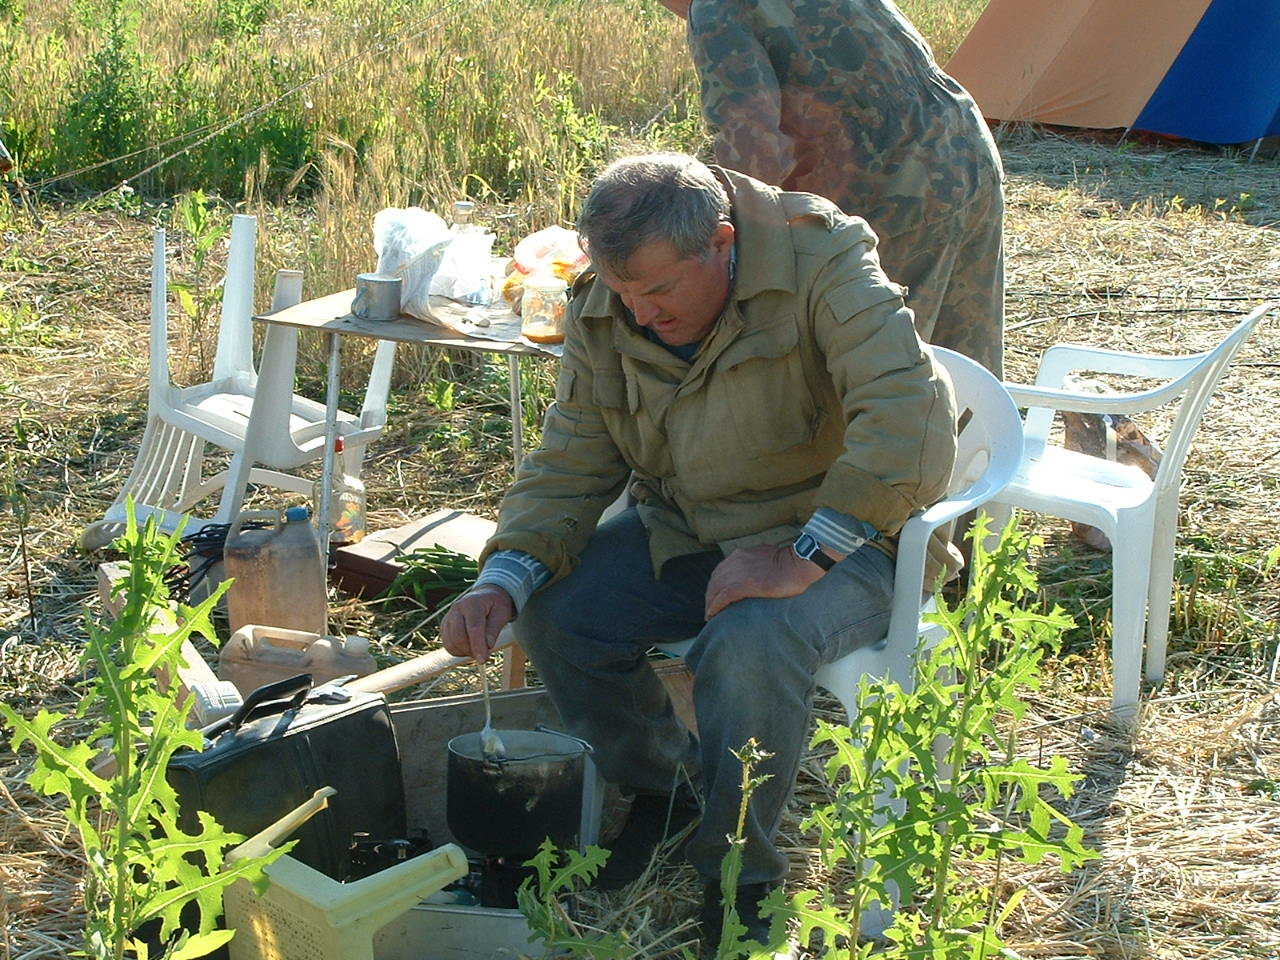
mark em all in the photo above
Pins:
pixel 928 779
pixel 141 866
pixel 925 781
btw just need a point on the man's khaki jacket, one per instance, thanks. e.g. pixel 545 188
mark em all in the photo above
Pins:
pixel 812 390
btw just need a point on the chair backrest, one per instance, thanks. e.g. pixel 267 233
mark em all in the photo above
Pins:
pixel 989 449
pixel 1203 381
pixel 159 382
pixel 1189 380
pixel 234 358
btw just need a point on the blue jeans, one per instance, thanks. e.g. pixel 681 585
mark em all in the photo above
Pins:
pixel 753 667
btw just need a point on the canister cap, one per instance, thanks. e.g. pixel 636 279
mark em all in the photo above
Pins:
pixel 300 514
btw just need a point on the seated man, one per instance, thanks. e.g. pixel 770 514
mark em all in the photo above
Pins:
pixel 739 355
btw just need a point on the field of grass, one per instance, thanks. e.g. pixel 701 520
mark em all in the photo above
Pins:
pixel 1139 246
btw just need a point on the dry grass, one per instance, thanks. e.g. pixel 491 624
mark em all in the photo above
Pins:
pixel 1123 247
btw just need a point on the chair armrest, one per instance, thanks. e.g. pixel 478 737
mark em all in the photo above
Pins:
pixel 1063 358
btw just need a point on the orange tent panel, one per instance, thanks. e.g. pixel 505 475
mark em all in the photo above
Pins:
pixel 1084 63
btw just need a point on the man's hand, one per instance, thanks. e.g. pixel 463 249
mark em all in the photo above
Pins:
pixel 761 571
pixel 470 628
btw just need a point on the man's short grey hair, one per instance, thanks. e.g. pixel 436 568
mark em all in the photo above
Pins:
pixel 656 196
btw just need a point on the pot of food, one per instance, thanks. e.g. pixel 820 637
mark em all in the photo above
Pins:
pixel 506 806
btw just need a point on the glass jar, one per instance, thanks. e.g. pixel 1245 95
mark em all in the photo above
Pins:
pixel 542 308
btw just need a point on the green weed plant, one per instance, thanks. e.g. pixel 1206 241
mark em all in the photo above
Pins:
pixel 141 865
pixel 925 782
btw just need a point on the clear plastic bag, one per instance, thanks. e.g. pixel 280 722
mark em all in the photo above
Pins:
pixel 411 243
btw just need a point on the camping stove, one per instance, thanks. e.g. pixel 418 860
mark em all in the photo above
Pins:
pixel 493 881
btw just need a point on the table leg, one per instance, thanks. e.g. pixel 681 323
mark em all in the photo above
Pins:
pixel 325 520
pixel 517 412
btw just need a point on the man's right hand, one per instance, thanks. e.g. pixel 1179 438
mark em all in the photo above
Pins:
pixel 470 628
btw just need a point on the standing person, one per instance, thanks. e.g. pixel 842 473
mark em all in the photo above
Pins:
pixel 843 98
pixel 739 355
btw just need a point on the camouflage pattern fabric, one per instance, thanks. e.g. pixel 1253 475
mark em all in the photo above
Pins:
pixel 843 98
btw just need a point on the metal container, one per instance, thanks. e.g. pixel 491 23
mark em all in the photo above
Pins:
pixel 508 807
pixel 377 296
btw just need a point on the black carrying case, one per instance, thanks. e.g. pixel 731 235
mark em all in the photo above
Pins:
pixel 283 744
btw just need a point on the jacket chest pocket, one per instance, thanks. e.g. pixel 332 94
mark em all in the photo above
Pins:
pixel 760 382
pixel 634 410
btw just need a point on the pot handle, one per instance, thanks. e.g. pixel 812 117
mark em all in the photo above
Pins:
pixel 543 728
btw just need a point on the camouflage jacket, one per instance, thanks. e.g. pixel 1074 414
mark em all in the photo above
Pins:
pixel 811 390
pixel 841 98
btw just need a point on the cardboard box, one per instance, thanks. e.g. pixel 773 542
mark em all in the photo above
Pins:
pixel 367 568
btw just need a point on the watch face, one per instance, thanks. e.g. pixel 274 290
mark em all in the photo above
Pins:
pixel 807 548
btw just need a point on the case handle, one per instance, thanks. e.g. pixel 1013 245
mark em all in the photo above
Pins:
pixel 278 697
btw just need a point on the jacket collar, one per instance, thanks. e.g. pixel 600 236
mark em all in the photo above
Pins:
pixel 766 258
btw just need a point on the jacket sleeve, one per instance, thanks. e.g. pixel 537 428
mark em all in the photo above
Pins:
pixel 898 406
pixel 741 95
pixel 563 487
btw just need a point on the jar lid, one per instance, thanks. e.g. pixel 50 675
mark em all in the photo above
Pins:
pixel 546 283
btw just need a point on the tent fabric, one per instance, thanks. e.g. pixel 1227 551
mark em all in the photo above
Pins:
pixel 1202 69
pixel 1224 86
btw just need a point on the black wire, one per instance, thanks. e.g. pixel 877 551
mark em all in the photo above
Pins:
pixel 201 551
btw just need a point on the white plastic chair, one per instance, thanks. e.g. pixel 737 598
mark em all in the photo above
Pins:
pixel 254 416
pixel 1139 515
pixel 989 449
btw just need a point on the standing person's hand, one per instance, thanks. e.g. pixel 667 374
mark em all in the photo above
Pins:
pixel 470 628
pixel 760 571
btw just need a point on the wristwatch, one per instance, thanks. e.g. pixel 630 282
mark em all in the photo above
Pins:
pixel 807 548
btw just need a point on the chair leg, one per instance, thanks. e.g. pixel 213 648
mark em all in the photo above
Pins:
pixel 1160 593
pixel 1131 566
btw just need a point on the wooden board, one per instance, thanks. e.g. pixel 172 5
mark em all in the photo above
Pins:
pixel 367 568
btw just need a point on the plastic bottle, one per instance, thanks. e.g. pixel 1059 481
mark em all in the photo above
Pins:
pixel 347 502
pixel 278 570
pixel 257 655
pixel 542 308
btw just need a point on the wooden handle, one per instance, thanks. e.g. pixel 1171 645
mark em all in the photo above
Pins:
pixel 418 669
pixel 408 673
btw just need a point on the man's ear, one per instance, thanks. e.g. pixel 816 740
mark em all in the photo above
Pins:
pixel 722 239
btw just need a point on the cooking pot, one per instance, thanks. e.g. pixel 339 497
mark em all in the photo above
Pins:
pixel 508 806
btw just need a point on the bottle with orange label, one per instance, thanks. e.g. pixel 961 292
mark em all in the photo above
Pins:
pixel 347 501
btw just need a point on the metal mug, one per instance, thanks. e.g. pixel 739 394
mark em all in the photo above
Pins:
pixel 377 296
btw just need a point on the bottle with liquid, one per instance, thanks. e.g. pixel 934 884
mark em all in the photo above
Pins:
pixel 280 577
pixel 347 502
pixel 542 308
pixel 467 258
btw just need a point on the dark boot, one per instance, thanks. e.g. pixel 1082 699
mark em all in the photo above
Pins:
pixel 748 907
pixel 652 821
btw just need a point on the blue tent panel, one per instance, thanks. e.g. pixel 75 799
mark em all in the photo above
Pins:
pixel 1224 87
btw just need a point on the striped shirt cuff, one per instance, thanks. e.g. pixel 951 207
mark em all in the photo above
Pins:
pixel 843 533
pixel 516 572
